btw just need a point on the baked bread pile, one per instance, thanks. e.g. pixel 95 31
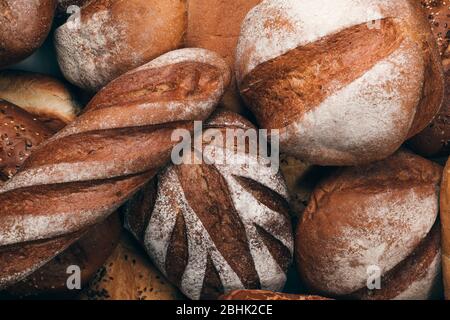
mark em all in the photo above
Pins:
pixel 131 141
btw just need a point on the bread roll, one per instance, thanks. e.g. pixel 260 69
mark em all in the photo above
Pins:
pixel 24 25
pixel 215 25
pixel 129 275
pixel 115 36
pixel 445 219
pixel 216 227
pixel 434 140
pixel 346 82
pixel 19 135
pixel 47 98
pixel 380 220
pixel 266 295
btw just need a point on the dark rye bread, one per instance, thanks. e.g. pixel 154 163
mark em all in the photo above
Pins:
pixel 86 171
pixel 346 82
pixel 384 215
pixel 214 227
pixel 261 295
pixel 434 140
pixel 24 25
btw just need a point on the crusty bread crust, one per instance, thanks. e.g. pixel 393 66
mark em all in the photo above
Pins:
pixel 266 295
pixel 445 219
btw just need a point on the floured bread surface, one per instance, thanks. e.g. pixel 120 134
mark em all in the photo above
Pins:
pixel 346 82
pixel 111 37
pixel 212 228
pixel 371 216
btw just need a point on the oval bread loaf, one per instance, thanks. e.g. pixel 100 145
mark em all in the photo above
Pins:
pixel 217 226
pixel 346 82
pixel 374 223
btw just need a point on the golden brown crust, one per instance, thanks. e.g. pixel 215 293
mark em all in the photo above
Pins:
pixel 434 140
pixel 445 220
pixel 115 36
pixel 373 215
pixel 215 25
pixel 266 295
pixel 48 99
pixel 24 25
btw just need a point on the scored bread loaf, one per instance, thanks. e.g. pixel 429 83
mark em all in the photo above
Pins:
pixel 115 36
pixel 376 221
pixel 24 25
pixel 20 134
pixel 346 82
pixel 47 98
pixel 266 295
pixel 216 226
pixel 434 140
pixel 82 174
pixel 445 219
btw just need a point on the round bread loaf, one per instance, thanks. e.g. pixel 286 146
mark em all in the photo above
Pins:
pixel 48 99
pixel 374 222
pixel 346 82
pixel 215 25
pixel 115 36
pixel 434 140
pixel 219 225
pixel 445 218
pixel 24 25
pixel 266 295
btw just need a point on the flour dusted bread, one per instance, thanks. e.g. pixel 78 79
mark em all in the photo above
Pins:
pixel 216 226
pixel 47 98
pixel 434 139
pixel 24 25
pixel 380 216
pixel 346 82
pixel 116 36
pixel 445 218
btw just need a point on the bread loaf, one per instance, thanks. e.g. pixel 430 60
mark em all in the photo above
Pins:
pixel 47 98
pixel 215 25
pixel 116 36
pixel 128 274
pixel 216 226
pixel 445 218
pixel 346 82
pixel 85 172
pixel 24 25
pixel 374 222
pixel 20 134
pixel 266 295
pixel 434 140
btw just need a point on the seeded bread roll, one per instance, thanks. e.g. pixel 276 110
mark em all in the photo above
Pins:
pixel 47 98
pixel 115 36
pixel 378 220
pixel 24 25
pixel 434 140
pixel 219 225
pixel 346 82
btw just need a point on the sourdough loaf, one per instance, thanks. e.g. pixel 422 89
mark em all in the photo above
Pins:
pixel 346 82
pixel 377 220
pixel 216 226
pixel 115 36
